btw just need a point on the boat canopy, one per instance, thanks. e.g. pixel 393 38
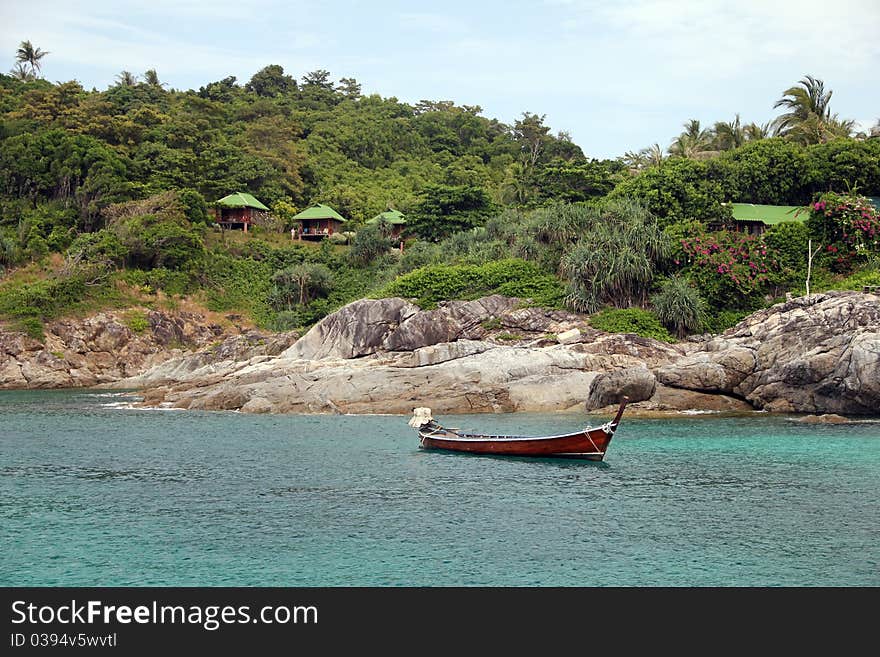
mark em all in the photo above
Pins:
pixel 421 417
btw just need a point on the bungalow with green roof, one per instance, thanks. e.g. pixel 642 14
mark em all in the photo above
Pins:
pixel 754 219
pixel 238 210
pixel 318 222
pixel 394 218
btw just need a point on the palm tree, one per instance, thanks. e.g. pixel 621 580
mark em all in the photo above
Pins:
pixel 695 142
pixel 729 134
pixel 152 78
pixel 653 154
pixel 808 119
pixel 126 79
pixel 644 158
pixel 21 72
pixel 27 54
pixel 754 132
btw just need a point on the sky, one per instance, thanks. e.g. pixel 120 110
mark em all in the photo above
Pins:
pixel 616 75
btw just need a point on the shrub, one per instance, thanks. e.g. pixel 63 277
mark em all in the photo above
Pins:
pixel 167 280
pixel 137 321
pixel 368 244
pixel 858 280
pixel 31 327
pixel 788 243
pixel 723 319
pixel 615 261
pixel 300 284
pixel 848 228
pixel 679 306
pixel 240 284
pixel 511 277
pixel 42 299
pixel 419 254
pixel 194 207
pixel 36 247
pixel 731 270
pixel 630 320
pixel 101 246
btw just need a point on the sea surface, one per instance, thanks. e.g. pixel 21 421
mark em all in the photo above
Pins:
pixel 95 493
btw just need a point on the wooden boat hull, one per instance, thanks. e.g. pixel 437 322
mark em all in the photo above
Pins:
pixel 589 444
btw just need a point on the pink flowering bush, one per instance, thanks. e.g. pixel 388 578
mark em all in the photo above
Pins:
pixel 731 270
pixel 847 227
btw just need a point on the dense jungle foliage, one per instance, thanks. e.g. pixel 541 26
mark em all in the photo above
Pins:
pixel 106 200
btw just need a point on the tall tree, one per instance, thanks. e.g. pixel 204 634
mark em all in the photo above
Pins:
pixel 269 81
pixel 126 79
pixel 808 118
pixel 152 78
pixel 22 71
pixel 349 87
pixel 649 156
pixel 694 143
pixel 730 134
pixel 533 137
pixel 319 78
pixel 30 56
pixel 754 132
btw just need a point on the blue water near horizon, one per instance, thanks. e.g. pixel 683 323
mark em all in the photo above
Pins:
pixel 93 493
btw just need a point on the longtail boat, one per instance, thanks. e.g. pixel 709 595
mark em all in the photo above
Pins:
pixel 591 443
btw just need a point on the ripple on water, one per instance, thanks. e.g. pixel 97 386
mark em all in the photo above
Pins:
pixel 95 493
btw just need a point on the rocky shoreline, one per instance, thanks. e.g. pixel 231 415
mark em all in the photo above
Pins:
pixel 819 356
pixel 110 346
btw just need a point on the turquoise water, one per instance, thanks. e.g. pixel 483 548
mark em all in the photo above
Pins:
pixel 93 493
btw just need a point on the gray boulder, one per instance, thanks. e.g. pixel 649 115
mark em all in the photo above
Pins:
pixel 817 355
pixel 637 383
pixel 356 330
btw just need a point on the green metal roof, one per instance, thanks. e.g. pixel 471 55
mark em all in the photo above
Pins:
pixel 320 211
pixel 393 217
pixel 769 214
pixel 241 200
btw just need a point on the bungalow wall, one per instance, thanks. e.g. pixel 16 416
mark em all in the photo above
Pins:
pixel 318 228
pixel 234 217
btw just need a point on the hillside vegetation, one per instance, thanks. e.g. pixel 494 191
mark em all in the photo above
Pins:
pixel 105 199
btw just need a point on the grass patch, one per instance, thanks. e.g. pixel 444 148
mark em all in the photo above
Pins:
pixel 724 319
pixel 858 281
pixel 31 327
pixel 512 277
pixel 137 321
pixel 631 320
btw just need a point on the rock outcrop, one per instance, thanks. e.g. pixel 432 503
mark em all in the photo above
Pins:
pixel 387 356
pixel 817 355
pixel 358 329
pixel 101 349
